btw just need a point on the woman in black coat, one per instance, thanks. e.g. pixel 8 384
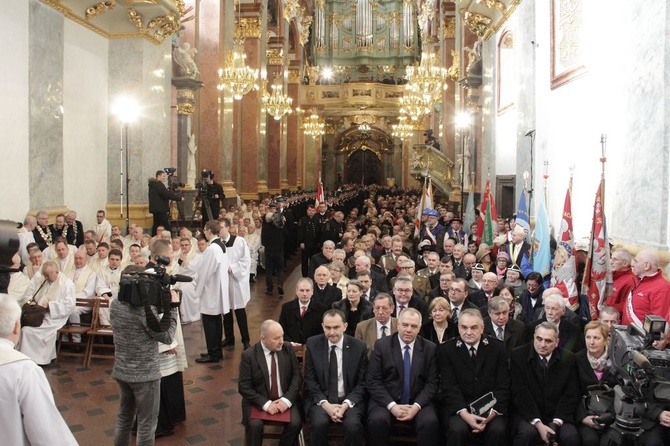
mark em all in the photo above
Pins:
pixel 354 308
pixel 592 369
pixel 438 329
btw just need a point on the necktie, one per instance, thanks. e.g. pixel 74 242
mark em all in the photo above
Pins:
pixel 303 310
pixel 384 331
pixel 544 361
pixel 454 316
pixel 473 353
pixel 500 334
pixel 332 377
pixel 407 365
pixel 402 307
pixel 274 387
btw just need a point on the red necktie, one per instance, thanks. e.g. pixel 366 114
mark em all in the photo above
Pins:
pixel 274 387
pixel 303 311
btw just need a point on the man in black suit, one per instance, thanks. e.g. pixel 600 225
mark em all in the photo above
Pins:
pixel 321 258
pixel 482 296
pixel 362 263
pixel 499 325
pixel 570 336
pixel 545 390
pixel 364 278
pixel 308 238
pixel 531 299
pixel 325 293
pixel 518 248
pixel 270 382
pixel 403 293
pixel 470 367
pixel 442 290
pixel 402 381
pixel 335 391
pixel 458 299
pixel 301 317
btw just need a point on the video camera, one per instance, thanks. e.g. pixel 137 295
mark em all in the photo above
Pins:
pixel 642 374
pixel 173 180
pixel 9 244
pixel 203 190
pixel 151 289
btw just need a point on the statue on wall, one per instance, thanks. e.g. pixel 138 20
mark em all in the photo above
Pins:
pixel 183 58
pixel 191 169
pixel 474 67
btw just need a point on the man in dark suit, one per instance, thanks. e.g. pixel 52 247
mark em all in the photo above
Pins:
pixel 270 382
pixel 482 296
pixel 570 336
pixel 458 299
pixel 403 291
pixel 518 248
pixel 325 293
pixel 321 258
pixel 499 325
pixel 470 367
pixel 382 325
pixel 301 317
pixel 362 263
pixel 402 381
pixel 308 238
pixel 545 390
pixel 335 391
pixel 442 290
pixel 531 299
pixel 364 278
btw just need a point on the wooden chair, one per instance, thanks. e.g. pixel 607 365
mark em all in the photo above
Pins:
pixel 71 329
pixel 98 334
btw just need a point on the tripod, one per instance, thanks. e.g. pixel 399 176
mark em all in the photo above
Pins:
pixel 174 183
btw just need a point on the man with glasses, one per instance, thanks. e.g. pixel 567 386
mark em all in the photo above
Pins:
pixel 381 325
pixel 402 291
pixel 442 290
pixel 458 299
pixel 482 297
pixel 420 284
pixel 544 390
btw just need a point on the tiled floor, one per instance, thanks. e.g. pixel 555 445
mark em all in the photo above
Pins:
pixel 88 397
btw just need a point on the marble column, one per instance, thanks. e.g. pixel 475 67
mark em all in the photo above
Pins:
pixel 186 88
pixel 294 141
pixel 225 104
pixel 140 70
pixel 45 110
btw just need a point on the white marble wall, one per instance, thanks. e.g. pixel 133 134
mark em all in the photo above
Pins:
pixel 14 114
pixel 624 94
pixel 141 70
pixel 85 121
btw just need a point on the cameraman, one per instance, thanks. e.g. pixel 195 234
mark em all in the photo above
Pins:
pixel 136 362
pixel 159 201
pixel 213 195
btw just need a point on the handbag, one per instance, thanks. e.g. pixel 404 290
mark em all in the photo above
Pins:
pixel 32 315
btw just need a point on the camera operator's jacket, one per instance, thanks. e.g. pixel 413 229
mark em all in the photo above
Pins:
pixel 159 197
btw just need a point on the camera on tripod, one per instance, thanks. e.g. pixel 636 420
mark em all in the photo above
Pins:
pixel 173 180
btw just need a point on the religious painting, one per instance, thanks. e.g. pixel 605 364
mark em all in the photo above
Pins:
pixel 507 73
pixel 272 12
pixel 567 44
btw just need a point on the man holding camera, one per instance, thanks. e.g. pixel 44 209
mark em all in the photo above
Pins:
pixel 136 359
pixel 159 201
pixel 211 192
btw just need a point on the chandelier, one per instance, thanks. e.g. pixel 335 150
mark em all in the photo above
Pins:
pixel 314 125
pixel 402 129
pixel 414 103
pixel 236 76
pixel 276 103
pixel 428 77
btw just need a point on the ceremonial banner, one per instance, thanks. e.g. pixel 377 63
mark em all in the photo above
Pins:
pixel 319 193
pixel 564 271
pixel 541 249
pixel 425 203
pixel 597 273
pixel 487 217
pixel 522 218
pixel 469 217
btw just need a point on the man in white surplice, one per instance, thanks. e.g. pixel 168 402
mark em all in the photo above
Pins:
pixel 212 287
pixel 188 262
pixel 84 279
pixel 53 290
pixel 238 285
pixel 29 414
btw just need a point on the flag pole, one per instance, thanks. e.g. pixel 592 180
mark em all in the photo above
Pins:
pixel 603 160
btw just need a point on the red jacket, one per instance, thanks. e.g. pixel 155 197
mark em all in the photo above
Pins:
pixel 624 282
pixel 651 296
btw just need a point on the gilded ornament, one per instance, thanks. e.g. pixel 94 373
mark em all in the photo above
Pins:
pixel 136 19
pixel 185 108
pixel 100 8
pixel 453 72
pixel 275 56
pixel 249 27
pixel 500 6
pixel 294 77
pixel 185 94
pixel 476 22
pixel 449 27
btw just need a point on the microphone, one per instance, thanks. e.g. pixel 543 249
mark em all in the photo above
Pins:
pixel 181 278
pixel 530 132
pixel 640 360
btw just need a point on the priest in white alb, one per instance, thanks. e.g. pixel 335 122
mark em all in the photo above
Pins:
pixel 54 291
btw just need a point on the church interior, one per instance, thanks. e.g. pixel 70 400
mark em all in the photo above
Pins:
pixel 276 96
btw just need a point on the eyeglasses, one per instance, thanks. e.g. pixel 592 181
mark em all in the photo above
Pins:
pixel 456 290
pixel 403 290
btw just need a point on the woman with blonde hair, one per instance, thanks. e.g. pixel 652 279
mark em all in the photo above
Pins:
pixel 438 329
